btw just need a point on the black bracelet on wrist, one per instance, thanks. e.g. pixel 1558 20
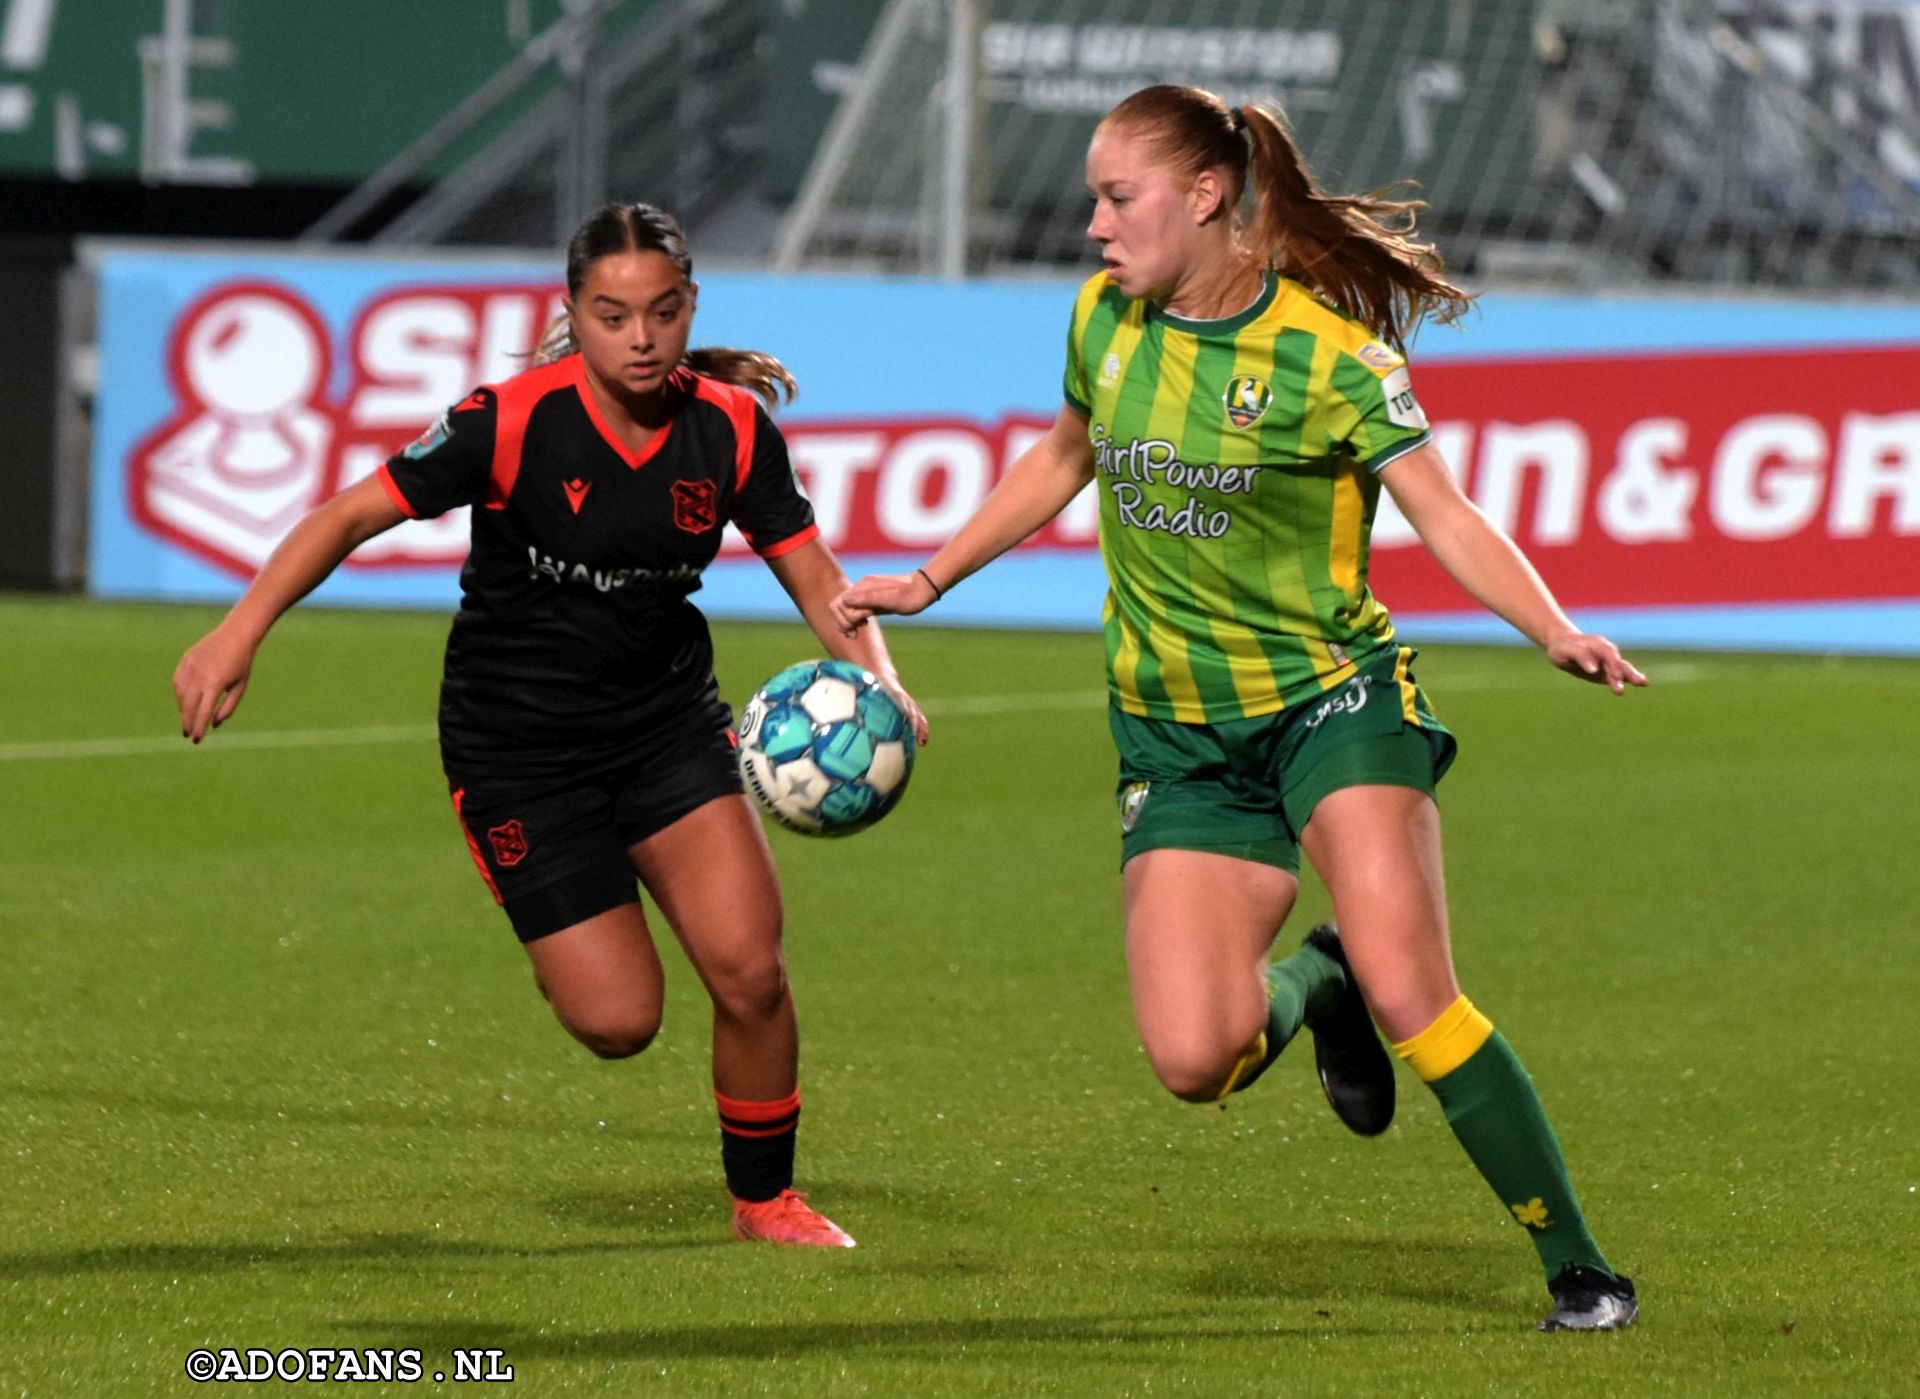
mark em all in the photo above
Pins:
pixel 938 591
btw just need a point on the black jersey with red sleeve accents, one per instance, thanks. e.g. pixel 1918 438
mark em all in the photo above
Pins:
pixel 575 626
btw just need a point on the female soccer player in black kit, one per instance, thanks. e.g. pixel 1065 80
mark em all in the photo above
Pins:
pixel 581 729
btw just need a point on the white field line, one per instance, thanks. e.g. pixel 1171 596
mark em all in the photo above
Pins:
pixel 218 742
pixel 1095 700
pixel 1658 671
pixel 369 735
pixel 963 706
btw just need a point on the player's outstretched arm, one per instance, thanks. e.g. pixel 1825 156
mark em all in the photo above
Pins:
pixel 212 676
pixel 1035 489
pixel 813 578
pixel 1481 559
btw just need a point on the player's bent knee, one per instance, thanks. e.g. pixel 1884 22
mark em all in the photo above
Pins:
pixel 604 1047
pixel 614 1037
pixel 1198 1091
pixel 1194 1076
pixel 613 1045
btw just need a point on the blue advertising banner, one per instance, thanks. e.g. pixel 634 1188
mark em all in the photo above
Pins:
pixel 239 389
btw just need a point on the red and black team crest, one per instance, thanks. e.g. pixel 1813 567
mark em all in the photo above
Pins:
pixel 693 506
pixel 509 844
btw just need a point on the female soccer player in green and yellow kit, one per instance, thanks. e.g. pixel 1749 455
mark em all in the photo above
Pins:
pixel 1240 394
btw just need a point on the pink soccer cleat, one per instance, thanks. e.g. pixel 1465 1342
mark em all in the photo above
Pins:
pixel 787 1219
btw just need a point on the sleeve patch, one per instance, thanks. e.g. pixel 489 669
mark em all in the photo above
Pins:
pixel 1403 408
pixel 1378 357
pixel 427 441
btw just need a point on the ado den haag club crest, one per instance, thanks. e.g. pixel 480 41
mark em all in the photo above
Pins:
pixel 1247 400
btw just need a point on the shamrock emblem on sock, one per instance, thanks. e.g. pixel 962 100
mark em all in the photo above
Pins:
pixel 1533 1214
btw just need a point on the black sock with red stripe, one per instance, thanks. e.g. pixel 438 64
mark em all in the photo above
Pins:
pixel 756 1144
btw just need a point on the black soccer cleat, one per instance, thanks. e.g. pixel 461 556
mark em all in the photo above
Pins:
pixel 1354 1068
pixel 1586 1299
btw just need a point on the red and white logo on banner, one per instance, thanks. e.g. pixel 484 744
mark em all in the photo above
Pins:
pixel 258 437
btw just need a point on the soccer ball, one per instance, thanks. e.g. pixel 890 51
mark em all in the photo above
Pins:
pixel 825 749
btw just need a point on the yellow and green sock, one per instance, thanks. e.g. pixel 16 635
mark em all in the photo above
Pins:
pixel 1492 1108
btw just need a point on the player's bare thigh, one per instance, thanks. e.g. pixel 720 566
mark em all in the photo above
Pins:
pixel 603 978
pixel 1199 927
pixel 712 875
pixel 1377 849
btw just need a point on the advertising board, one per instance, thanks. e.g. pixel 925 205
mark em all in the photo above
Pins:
pixel 1707 472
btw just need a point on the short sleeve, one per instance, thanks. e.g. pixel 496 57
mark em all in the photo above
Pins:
pixel 770 509
pixel 1375 415
pixel 448 465
pixel 1074 384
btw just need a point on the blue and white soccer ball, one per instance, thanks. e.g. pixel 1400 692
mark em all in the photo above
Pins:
pixel 825 749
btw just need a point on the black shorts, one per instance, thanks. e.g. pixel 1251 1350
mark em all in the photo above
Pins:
pixel 554 854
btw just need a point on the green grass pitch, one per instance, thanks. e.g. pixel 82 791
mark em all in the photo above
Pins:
pixel 275 1073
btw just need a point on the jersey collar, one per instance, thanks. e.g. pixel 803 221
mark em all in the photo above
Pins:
pixel 1223 325
pixel 634 460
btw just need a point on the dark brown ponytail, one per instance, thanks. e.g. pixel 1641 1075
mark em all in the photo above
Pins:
pixel 751 369
pixel 1356 252
pixel 626 228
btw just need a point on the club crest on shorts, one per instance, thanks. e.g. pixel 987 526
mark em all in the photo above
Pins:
pixel 693 506
pixel 509 844
pixel 1247 400
pixel 1131 800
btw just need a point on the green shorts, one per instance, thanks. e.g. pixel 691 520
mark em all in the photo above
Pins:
pixel 1247 786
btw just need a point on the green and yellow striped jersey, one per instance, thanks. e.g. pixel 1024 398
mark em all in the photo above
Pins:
pixel 1236 461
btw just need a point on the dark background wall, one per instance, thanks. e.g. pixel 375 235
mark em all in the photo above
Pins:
pixel 30 270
